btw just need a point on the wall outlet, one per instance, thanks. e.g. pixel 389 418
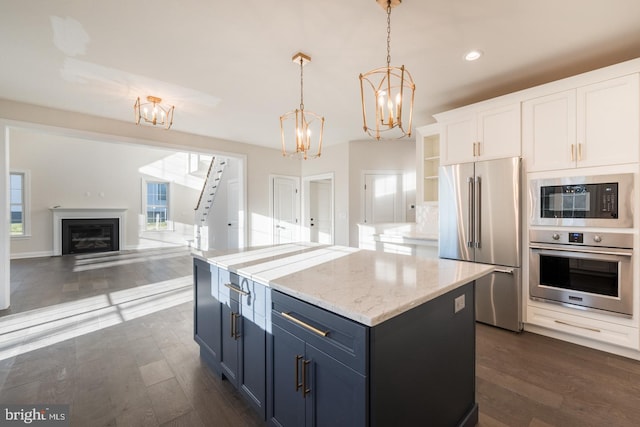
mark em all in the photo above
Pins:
pixel 458 303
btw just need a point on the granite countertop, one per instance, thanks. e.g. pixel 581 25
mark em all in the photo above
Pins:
pixel 368 287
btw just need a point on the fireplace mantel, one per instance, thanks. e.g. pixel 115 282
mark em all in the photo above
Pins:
pixel 74 213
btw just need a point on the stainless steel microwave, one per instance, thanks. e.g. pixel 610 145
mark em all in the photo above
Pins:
pixel 583 201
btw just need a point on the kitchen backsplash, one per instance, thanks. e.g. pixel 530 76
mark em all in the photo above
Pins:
pixel 427 218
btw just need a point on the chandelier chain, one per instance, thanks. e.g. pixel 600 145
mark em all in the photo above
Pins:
pixel 388 33
pixel 301 85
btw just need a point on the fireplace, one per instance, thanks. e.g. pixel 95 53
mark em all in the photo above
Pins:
pixel 102 214
pixel 90 235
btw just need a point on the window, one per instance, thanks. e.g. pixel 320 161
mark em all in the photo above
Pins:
pixel 199 162
pixel 18 198
pixel 157 206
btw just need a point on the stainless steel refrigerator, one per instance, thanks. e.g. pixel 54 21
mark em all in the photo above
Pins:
pixel 480 222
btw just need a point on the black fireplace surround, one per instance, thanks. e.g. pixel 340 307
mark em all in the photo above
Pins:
pixel 81 235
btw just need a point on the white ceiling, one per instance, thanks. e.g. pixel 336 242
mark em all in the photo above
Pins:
pixel 227 65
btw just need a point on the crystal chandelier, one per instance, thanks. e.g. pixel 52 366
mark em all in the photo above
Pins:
pixel 301 127
pixel 390 94
pixel 153 112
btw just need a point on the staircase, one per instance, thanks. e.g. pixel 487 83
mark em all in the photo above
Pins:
pixel 205 201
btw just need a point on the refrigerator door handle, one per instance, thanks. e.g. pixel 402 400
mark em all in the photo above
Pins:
pixel 471 212
pixel 478 208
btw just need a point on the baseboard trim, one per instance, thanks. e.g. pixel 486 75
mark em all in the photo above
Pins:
pixel 22 255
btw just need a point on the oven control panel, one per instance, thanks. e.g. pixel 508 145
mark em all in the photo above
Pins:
pixel 576 237
pixel 610 240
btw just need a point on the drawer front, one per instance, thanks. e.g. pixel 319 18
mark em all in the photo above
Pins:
pixel 255 300
pixel 340 338
pixel 223 292
pixel 612 333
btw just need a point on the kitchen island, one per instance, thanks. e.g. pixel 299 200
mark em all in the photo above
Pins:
pixel 330 335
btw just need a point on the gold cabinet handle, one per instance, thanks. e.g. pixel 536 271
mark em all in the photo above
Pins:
pixel 579 152
pixel 235 289
pixel 305 325
pixel 298 384
pixel 305 390
pixel 572 152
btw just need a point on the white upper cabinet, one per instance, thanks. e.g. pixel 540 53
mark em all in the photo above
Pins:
pixel 549 131
pixel 481 134
pixel 593 125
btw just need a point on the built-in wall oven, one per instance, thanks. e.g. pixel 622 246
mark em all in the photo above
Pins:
pixel 587 270
pixel 585 260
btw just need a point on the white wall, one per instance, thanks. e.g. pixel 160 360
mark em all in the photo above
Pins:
pixel 80 173
pixel 372 155
pixel 347 162
pixel 335 159
pixel 217 219
pixel 5 289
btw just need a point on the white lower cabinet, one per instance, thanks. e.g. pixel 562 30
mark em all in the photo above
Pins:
pixel 586 327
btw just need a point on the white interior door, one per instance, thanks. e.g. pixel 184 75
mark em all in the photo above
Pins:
pixel 320 211
pixel 233 214
pixel 383 198
pixel 285 209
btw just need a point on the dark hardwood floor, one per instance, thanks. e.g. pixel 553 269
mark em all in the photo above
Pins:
pixel 112 336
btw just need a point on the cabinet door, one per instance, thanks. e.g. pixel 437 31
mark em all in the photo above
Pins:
pixel 286 401
pixel 457 140
pixel 336 394
pixel 207 308
pixel 498 132
pixel 549 132
pixel 608 121
pixel 231 333
pixel 252 381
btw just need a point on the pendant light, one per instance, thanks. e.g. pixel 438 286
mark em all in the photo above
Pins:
pixel 387 94
pixel 301 127
pixel 153 112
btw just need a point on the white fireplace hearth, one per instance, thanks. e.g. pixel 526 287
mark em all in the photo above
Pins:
pixel 86 213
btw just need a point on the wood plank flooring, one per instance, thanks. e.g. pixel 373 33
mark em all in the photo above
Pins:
pixel 129 359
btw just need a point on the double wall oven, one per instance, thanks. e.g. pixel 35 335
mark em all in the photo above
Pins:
pixel 582 257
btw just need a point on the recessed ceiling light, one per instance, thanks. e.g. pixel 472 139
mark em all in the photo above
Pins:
pixel 473 55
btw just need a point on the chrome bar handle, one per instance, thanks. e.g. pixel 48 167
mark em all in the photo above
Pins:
pixel 236 289
pixel 470 213
pixel 478 208
pixel 503 270
pixel 305 325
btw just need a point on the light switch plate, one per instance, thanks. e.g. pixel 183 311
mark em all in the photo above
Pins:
pixel 458 303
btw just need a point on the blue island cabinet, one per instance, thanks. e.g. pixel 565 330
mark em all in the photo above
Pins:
pixel 206 321
pixel 301 365
pixel 243 329
pixel 317 367
pixel 414 369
